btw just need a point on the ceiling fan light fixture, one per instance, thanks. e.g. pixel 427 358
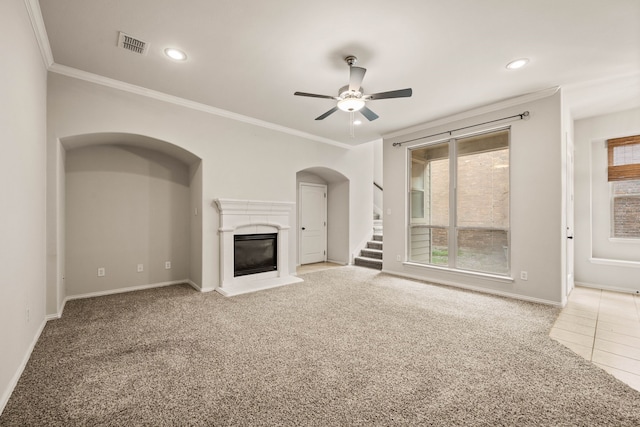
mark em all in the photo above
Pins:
pixel 351 104
pixel 351 98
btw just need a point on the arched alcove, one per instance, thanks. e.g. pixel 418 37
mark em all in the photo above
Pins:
pixel 130 205
pixel 337 210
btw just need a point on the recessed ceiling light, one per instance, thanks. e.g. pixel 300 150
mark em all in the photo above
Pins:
pixel 357 122
pixel 176 54
pixel 518 63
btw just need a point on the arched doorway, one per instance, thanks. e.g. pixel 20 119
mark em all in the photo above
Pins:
pixel 337 211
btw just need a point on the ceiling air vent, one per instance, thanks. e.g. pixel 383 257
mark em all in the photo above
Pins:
pixel 125 41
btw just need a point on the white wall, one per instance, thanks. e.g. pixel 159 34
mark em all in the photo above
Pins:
pixel 537 236
pixel 195 184
pixel 23 192
pixel 378 195
pixel 239 160
pixel 56 285
pixel 125 206
pixel 598 259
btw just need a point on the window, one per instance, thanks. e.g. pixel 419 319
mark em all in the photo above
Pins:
pixel 430 204
pixel 624 181
pixel 463 226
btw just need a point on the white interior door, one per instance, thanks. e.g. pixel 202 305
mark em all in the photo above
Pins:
pixel 313 223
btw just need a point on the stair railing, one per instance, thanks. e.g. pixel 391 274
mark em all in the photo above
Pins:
pixel 377 199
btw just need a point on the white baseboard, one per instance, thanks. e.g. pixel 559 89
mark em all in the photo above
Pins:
pixel 199 288
pixel 122 290
pixel 477 289
pixel 194 285
pixel 116 291
pixel 58 314
pixel 607 288
pixel 129 289
pixel 16 377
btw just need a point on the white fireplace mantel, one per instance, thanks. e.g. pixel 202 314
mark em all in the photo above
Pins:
pixel 253 217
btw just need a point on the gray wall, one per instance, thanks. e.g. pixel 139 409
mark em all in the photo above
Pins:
pixel 537 224
pixel 378 195
pixel 23 252
pixel 600 261
pixel 125 206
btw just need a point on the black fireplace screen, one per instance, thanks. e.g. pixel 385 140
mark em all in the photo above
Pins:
pixel 255 253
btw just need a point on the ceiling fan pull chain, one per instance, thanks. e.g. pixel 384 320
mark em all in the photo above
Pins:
pixel 351 125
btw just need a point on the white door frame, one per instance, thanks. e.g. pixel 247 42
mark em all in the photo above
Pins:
pixel 570 220
pixel 300 219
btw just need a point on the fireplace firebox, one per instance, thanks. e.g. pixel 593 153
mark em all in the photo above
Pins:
pixel 255 253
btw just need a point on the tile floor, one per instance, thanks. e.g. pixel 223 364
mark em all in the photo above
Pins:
pixel 307 268
pixel 603 327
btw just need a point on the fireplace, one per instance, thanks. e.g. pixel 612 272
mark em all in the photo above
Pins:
pixel 255 245
pixel 254 253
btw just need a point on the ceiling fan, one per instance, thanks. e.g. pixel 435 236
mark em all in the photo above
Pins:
pixel 351 98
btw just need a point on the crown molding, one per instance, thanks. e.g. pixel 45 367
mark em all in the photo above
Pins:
pixel 37 23
pixel 40 31
pixel 490 108
pixel 160 96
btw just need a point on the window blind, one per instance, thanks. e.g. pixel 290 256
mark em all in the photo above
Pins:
pixel 624 158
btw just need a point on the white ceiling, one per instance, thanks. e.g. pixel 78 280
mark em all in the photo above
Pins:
pixel 249 56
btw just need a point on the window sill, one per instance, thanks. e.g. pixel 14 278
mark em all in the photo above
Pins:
pixel 615 262
pixel 465 273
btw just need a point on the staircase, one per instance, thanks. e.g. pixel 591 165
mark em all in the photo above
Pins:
pixel 371 256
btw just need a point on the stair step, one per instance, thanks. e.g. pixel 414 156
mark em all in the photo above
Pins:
pixel 371 253
pixel 377 237
pixel 363 261
pixel 374 244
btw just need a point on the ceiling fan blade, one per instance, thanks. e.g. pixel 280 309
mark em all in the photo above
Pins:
pixel 313 95
pixel 370 115
pixel 356 74
pixel 402 93
pixel 327 114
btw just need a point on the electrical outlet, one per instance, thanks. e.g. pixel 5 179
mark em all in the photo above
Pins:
pixel 398 258
pixel 28 317
pixel 167 265
pixel 101 272
pixel 140 268
pixel 524 275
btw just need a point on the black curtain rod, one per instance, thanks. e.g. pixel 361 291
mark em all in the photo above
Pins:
pixel 521 115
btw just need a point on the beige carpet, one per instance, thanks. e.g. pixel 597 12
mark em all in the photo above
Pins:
pixel 349 346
